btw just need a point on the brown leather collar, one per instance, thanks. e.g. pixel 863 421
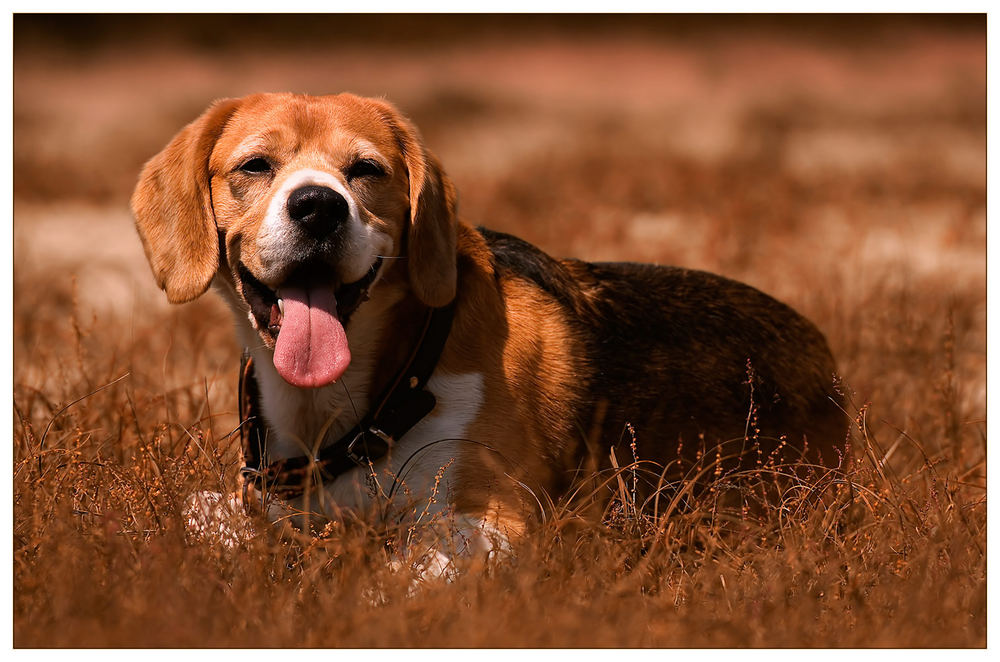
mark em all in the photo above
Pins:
pixel 401 406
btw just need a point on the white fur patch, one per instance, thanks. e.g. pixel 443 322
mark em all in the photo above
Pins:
pixel 436 440
pixel 433 444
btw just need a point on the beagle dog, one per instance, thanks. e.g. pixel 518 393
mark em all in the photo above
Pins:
pixel 332 234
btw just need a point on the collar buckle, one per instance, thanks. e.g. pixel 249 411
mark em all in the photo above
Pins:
pixel 373 442
pixel 251 473
pixel 249 477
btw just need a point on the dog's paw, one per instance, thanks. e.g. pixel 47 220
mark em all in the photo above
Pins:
pixel 432 566
pixel 215 517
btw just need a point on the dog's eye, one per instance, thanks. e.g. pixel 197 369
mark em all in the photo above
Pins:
pixel 365 168
pixel 256 166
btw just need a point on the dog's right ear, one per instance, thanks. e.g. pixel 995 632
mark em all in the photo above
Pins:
pixel 172 205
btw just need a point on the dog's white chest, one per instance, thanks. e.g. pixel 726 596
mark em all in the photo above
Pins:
pixel 425 461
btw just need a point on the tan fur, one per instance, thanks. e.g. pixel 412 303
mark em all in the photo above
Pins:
pixel 173 208
pixel 433 222
pixel 528 354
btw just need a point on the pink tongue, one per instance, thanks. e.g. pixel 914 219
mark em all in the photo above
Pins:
pixel 311 349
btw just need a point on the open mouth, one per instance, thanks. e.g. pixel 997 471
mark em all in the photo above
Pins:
pixel 305 320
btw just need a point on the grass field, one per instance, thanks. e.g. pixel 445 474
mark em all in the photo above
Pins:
pixel 839 165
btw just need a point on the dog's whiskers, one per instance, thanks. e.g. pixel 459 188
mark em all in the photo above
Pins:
pixel 350 398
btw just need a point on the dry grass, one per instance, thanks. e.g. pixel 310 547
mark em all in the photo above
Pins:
pixel 845 177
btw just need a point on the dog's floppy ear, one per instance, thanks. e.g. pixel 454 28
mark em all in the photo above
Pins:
pixel 433 230
pixel 431 239
pixel 172 205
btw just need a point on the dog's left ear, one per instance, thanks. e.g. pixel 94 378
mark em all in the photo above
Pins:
pixel 433 228
pixel 172 205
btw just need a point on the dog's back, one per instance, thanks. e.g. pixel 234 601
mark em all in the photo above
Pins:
pixel 699 365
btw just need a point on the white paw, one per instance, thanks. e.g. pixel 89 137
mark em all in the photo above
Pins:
pixel 216 517
pixel 433 565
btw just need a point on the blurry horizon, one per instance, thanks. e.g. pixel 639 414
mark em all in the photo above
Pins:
pixel 213 31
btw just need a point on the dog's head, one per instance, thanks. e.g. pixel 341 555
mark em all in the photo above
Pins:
pixel 299 204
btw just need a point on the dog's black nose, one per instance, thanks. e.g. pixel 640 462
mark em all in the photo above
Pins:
pixel 318 208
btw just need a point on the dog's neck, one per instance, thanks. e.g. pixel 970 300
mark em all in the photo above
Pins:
pixel 381 334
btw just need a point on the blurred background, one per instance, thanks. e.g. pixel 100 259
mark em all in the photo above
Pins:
pixel 835 162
